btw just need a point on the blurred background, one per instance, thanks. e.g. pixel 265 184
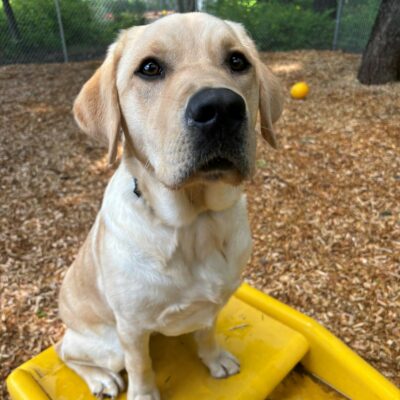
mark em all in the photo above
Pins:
pixel 60 30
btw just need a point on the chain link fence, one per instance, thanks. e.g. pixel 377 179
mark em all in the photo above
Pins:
pixel 355 20
pixel 38 31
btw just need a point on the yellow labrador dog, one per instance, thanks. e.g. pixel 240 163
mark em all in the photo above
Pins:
pixel 171 239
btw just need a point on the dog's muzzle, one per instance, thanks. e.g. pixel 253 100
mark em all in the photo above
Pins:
pixel 216 121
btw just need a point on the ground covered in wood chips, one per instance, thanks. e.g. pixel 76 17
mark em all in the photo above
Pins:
pixel 324 208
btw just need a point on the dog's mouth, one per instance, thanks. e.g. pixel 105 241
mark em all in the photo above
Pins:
pixel 217 164
pixel 216 168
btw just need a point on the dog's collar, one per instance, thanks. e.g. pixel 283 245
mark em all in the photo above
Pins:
pixel 136 190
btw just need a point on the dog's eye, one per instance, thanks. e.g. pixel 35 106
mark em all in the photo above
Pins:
pixel 150 68
pixel 238 62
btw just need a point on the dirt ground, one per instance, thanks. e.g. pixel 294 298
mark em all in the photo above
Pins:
pixel 324 208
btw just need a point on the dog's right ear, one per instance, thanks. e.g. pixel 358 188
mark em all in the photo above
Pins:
pixel 96 109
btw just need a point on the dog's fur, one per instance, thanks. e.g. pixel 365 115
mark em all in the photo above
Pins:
pixel 168 260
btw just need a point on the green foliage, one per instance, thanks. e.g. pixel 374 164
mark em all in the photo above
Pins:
pixel 34 21
pixel 90 25
pixel 356 24
pixel 278 25
pixel 87 24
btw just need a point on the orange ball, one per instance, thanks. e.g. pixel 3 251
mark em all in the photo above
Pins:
pixel 299 90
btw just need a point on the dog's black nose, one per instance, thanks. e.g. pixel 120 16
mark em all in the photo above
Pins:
pixel 212 108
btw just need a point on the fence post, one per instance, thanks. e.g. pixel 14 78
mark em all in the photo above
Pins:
pixel 60 26
pixel 337 24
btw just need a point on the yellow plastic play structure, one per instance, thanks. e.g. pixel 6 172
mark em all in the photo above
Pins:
pixel 268 337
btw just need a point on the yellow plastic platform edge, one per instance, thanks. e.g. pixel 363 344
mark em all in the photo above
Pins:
pixel 328 359
pixel 22 385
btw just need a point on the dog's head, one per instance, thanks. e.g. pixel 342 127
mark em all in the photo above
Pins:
pixel 186 91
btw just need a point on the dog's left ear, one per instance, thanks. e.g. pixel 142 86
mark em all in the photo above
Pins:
pixel 96 109
pixel 271 103
pixel 270 93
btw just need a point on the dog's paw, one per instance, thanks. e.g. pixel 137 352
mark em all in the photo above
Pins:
pixel 152 394
pixel 224 365
pixel 104 383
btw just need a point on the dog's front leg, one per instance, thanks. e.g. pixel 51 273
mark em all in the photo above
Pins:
pixel 141 380
pixel 220 362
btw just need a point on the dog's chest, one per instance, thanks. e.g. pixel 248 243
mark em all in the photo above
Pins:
pixel 199 277
pixel 173 279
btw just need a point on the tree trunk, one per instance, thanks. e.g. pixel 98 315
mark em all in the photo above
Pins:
pixel 325 5
pixel 12 22
pixel 186 5
pixel 381 58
